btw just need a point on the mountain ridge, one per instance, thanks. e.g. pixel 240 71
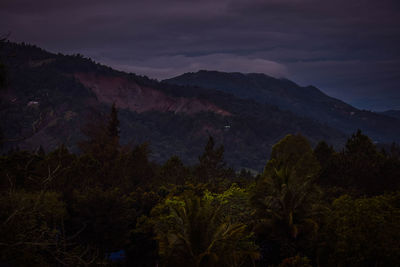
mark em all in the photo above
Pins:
pixel 306 101
pixel 50 97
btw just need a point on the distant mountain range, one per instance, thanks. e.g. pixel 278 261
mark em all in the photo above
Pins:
pixel 50 97
pixel 306 101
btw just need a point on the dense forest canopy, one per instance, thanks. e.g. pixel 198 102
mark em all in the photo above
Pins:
pixel 111 205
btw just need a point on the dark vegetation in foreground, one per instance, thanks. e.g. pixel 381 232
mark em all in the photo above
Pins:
pixel 110 205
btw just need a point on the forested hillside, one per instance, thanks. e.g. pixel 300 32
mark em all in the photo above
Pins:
pixel 49 98
pixel 307 101
pixel 112 206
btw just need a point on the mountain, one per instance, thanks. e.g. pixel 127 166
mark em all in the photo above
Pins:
pixel 50 97
pixel 306 101
pixel 391 113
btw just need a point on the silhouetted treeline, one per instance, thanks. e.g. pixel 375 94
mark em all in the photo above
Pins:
pixel 110 205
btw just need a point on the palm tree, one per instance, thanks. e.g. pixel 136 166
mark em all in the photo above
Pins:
pixel 286 196
pixel 286 200
pixel 195 233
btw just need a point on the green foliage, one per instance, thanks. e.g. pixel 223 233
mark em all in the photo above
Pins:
pixel 363 162
pixel 360 168
pixel 286 197
pixel 18 170
pixel 141 169
pixel 173 171
pixel 212 168
pixel 193 230
pixel 31 229
pixel 364 231
pixel 296 261
pixel 64 166
pixel 234 204
pixel 102 143
pixel 113 164
pixel 59 208
pixel 211 163
pixel 293 154
pixel 323 153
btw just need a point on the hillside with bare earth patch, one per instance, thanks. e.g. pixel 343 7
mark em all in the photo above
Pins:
pixel 49 98
pixel 127 94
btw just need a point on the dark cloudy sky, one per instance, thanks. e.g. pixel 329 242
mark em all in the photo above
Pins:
pixel 350 49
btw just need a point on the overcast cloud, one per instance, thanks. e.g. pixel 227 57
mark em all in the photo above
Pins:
pixel 349 49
